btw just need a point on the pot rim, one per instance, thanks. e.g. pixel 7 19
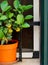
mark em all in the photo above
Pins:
pixel 10 46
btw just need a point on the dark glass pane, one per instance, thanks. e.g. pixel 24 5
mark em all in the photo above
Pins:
pixel 27 34
pixel 27 38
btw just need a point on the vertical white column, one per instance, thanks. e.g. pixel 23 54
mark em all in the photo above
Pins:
pixel 36 10
pixel 36 28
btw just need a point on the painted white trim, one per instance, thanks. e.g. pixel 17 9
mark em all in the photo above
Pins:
pixel 36 10
pixel 36 38
pixel 26 55
pixel 36 28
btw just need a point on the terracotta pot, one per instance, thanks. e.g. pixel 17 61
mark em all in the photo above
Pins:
pixel 8 52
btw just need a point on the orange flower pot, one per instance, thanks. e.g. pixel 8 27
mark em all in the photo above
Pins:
pixel 8 52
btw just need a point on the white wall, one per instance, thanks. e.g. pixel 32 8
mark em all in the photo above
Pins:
pixel 36 28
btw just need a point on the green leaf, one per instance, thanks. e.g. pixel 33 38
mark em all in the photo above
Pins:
pixel 11 15
pixel 25 25
pixel 16 22
pixel 16 4
pixel 2 42
pixel 7 8
pixel 4 5
pixel 25 7
pixel 1 34
pixel 28 7
pixel 0 22
pixel 5 30
pixel 21 8
pixel 8 24
pixel 28 17
pixel 3 17
pixel 20 19
pixel 0 14
pixel 15 25
pixel 9 37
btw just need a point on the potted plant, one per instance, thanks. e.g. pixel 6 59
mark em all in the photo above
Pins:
pixel 11 19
